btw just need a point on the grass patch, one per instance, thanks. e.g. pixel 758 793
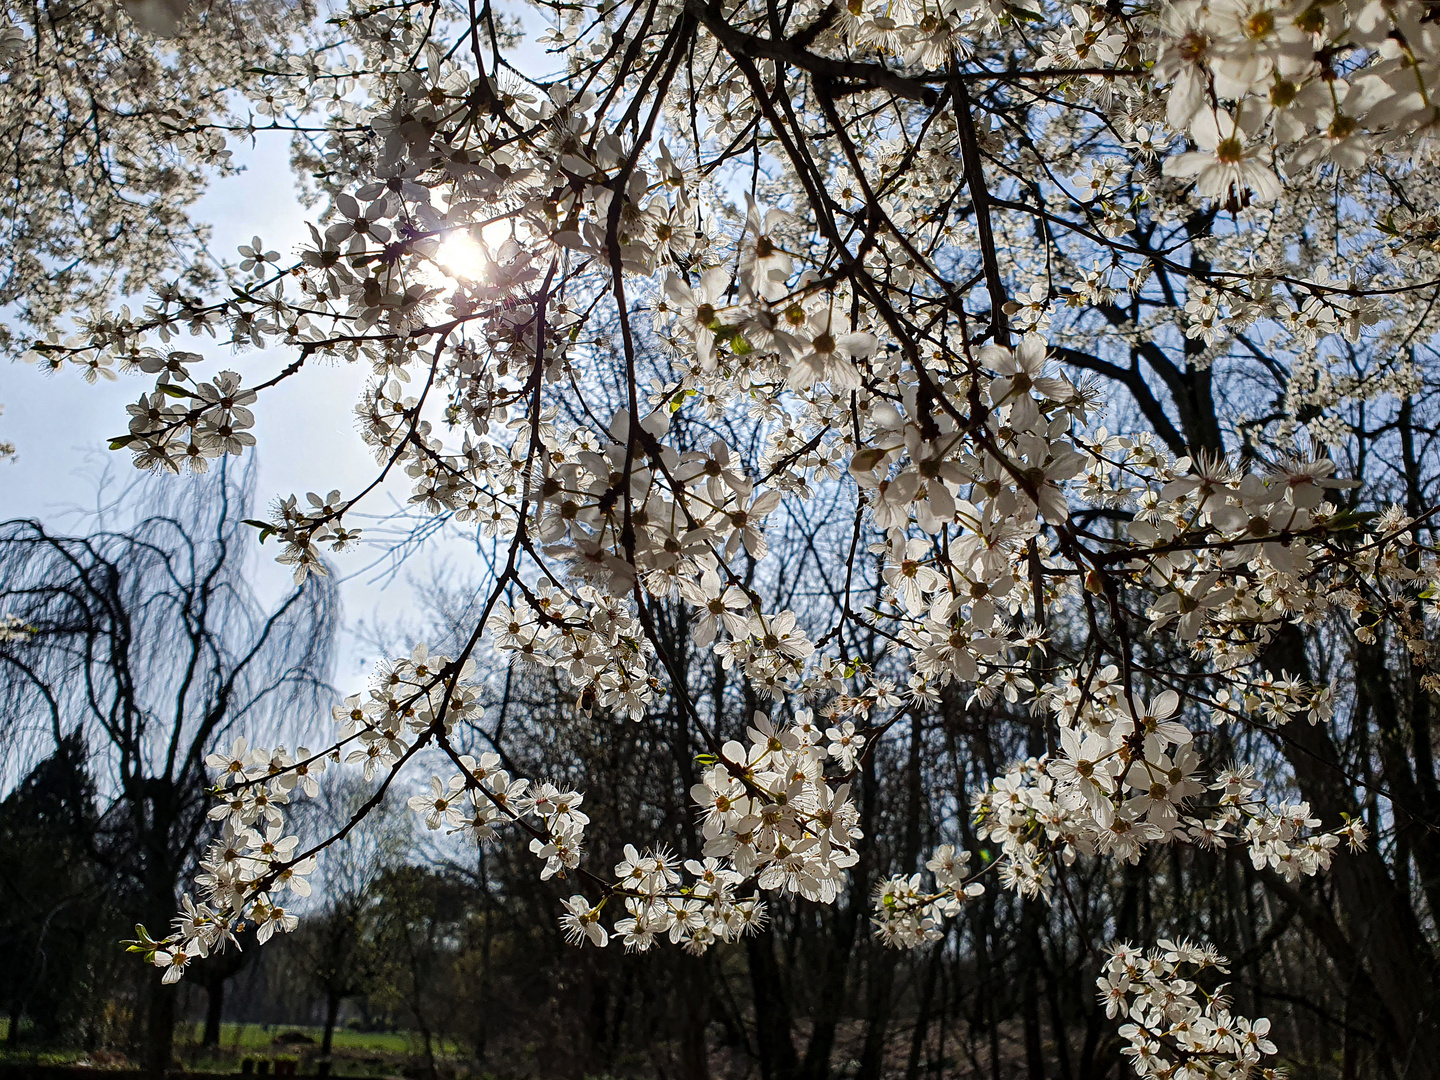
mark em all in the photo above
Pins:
pixel 354 1053
pixel 261 1037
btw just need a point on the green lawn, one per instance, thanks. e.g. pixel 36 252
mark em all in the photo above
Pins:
pixel 261 1037
pixel 356 1053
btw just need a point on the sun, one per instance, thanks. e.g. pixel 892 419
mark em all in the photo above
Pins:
pixel 462 257
pixel 465 258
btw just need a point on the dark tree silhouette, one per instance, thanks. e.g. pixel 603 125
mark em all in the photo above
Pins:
pixel 49 908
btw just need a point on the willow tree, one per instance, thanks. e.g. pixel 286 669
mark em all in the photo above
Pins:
pixel 142 641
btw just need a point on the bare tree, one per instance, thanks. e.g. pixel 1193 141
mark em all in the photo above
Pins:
pixel 339 948
pixel 150 640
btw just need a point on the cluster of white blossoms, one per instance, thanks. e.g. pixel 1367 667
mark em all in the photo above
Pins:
pixel 247 870
pixel 769 811
pixel 770 820
pixel 1119 794
pixel 591 637
pixel 253 860
pixel 906 917
pixel 627 382
pixel 1174 1027
pixel 1257 85
pixel 13 628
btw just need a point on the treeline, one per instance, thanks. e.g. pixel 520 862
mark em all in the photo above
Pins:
pixel 466 952
pixel 133 651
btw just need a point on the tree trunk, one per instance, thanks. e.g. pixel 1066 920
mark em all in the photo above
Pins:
pixel 1092 1062
pixel 1380 921
pixel 154 802
pixel 332 1012
pixel 1030 993
pixel 987 1009
pixel 830 1001
pixel 694 1056
pixel 879 999
pixel 877 1012
pixel 214 1008
pixel 1057 1024
pixel 922 1016
pixel 773 1035
pixel 158 1055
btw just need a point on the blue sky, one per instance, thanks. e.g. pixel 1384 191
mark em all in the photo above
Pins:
pixel 60 424
pixel 307 442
